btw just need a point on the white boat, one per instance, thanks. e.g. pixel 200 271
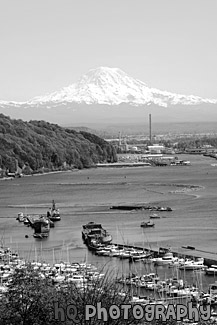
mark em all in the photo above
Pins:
pixel 138 300
pixel 77 278
pixel 193 265
pixel 103 252
pixel 148 280
pixel 115 252
pixel 177 262
pixel 212 270
pixel 184 292
pixel 167 258
pixel 152 285
pixel 139 255
pixel 154 216
pixel 125 254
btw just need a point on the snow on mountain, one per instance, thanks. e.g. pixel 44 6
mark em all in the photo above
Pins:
pixel 112 86
pixel 109 86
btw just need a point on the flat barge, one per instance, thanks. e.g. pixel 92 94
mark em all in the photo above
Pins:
pixel 140 207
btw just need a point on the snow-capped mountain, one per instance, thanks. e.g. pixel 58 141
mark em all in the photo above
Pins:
pixel 110 95
pixel 112 86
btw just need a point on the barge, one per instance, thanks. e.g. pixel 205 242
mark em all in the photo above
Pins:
pixel 95 232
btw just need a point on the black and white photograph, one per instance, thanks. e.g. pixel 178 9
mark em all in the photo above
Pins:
pixel 108 162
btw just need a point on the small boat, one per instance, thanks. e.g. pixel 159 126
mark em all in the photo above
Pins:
pixel 139 256
pixel 20 217
pixel 212 270
pixel 147 224
pixel 154 216
pixel 193 265
pixel 167 258
pixel 125 254
pixel 164 209
pixel 53 213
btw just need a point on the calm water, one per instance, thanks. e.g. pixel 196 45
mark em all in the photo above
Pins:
pixel 86 195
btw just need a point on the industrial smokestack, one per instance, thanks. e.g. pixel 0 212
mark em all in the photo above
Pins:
pixel 150 127
pixel 119 139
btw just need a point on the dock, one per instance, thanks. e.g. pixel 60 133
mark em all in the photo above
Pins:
pixel 210 258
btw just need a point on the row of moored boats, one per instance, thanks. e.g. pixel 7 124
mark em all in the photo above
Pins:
pixel 100 241
pixel 83 275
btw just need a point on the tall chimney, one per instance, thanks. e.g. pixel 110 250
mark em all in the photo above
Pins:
pixel 150 127
pixel 119 139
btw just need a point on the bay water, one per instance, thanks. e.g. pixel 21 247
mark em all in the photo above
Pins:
pixel 87 195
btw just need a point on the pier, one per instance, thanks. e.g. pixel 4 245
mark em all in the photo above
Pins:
pixel 210 258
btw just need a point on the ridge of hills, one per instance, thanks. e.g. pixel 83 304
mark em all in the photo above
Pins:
pixel 39 146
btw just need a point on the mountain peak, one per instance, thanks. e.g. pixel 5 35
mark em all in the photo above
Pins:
pixel 102 85
pixel 106 77
pixel 102 76
pixel 112 86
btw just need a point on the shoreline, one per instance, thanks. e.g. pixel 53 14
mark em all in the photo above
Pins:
pixel 38 174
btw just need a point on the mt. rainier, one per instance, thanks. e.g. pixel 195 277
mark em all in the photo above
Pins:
pixel 110 95
pixel 112 86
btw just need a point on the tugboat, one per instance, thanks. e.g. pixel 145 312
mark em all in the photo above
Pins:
pixel 53 214
pixel 94 231
pixel 42 227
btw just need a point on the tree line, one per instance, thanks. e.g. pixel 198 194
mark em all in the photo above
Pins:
pixel 38 145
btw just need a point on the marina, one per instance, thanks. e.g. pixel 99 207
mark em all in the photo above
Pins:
pixel 144 289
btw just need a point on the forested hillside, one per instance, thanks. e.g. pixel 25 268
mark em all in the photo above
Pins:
pixel 38 146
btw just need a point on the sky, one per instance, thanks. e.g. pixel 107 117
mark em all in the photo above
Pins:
pixel 49 44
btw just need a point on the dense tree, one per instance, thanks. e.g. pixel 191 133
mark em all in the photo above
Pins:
pixel 44 145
